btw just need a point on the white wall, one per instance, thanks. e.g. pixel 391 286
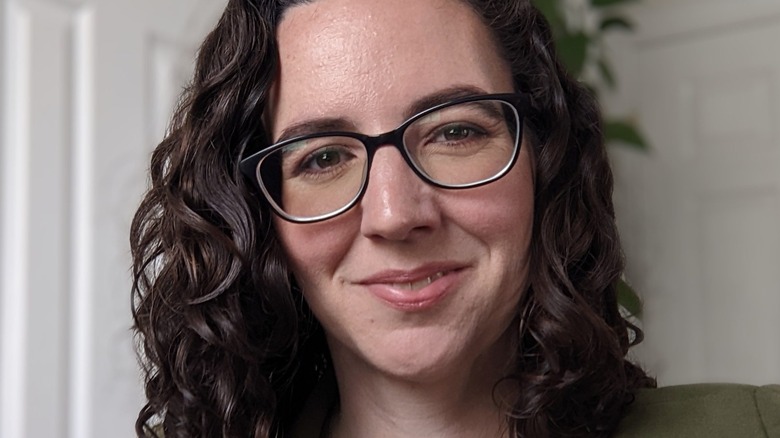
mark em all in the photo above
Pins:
pixel 699 213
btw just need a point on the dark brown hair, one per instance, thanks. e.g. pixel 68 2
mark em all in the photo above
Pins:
pixel 228 345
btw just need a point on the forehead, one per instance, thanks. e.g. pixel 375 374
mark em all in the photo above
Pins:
pixel 356 57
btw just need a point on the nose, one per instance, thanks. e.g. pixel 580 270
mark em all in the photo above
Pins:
pixel 397 204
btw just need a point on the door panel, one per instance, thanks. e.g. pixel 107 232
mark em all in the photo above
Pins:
pixel 87 89
pixel 700 212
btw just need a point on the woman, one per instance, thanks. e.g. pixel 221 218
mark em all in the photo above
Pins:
pixel 423 231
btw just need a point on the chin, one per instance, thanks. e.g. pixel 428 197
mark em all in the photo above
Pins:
pixel 420 355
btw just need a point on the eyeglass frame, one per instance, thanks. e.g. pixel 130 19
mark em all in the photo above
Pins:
pixel 520 103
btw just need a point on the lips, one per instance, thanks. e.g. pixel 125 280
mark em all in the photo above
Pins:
pixel 417 289
pixel 419 284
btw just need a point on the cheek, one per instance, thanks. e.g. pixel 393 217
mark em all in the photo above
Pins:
pixel 503 222
pixel 501 213
pixel 315 250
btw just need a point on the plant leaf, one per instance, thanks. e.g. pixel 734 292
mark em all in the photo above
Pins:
pixel 552 12
pixel 628 299
pixel 625 132
pixel 606 73
pixel 619 23
pixel 572 50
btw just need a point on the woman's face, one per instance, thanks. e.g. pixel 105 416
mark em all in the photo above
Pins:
pixel 414 281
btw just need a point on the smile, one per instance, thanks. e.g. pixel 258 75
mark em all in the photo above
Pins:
pixel 415 290
pixel 419 284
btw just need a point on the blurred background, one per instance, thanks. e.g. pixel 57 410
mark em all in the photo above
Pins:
pixel 87 86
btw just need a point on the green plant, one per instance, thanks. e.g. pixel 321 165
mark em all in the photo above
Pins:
pixel 579 28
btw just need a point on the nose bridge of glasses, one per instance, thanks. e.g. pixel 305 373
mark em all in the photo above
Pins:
pixel 393 196
pixel 391 138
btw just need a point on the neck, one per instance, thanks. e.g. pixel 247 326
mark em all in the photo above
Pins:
pixel 459 403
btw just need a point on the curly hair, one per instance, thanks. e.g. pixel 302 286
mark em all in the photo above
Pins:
pixel 227 344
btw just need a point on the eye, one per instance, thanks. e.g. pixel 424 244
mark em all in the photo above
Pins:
pixel 325 158
pixel 320 157
pixel 332 160
pixel 454 133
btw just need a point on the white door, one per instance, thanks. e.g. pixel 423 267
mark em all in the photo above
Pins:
pixel 85 89
pixel 700 214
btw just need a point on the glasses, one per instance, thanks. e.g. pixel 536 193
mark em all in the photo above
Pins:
pixel 460 144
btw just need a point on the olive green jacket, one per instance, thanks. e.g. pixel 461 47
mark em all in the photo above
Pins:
pixel 687 411
pixel 704 410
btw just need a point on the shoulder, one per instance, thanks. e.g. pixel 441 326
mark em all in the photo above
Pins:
pixel 703 410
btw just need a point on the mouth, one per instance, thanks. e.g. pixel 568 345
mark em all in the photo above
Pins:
pixel 414 290
pixel 417 285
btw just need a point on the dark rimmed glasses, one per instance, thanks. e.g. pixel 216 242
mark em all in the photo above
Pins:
pixel 460 144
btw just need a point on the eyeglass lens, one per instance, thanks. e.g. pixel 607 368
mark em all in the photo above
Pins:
pixel 456 146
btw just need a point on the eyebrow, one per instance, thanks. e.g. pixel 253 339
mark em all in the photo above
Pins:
pixel 325 124
pixel 440 97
